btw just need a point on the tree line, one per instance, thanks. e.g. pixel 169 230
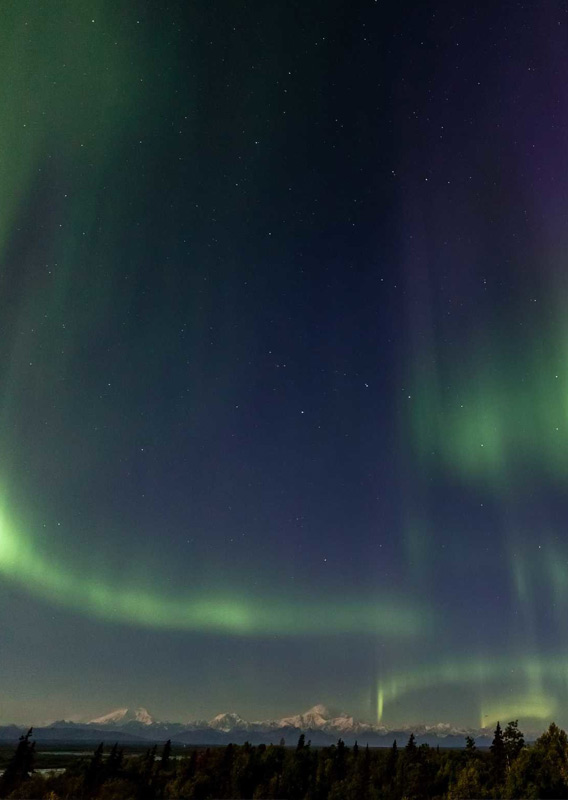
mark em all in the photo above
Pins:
pixel 508 769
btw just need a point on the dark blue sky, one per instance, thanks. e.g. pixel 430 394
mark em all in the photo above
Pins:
pixel 283 359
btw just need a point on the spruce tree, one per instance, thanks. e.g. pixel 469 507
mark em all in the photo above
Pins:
pixel 367 762
pixel 94 774
pixel 166 753
pixel 498 755
pixel 392 761
pixel 20 766
pixel 340 760
pixel 147 767
pixel 114 761
pixel 513 740
pixel 411 749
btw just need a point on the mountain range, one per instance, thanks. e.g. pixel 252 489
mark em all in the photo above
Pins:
pixel 318 724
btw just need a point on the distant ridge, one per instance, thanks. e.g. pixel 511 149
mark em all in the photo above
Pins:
pixel 318 724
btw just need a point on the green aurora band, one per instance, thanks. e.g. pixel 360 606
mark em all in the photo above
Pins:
pixel 489 414
pixel 534 683
pixel 53 130
pixel 486 411
pixel 22 563
pixel 58 76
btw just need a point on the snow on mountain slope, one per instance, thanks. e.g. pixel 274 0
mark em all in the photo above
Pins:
pixel 316 717
pixel 121 716
pixel 227 722
pixel 320 724
pixel 320 718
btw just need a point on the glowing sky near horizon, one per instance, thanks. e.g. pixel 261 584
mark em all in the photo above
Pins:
pixel 284 360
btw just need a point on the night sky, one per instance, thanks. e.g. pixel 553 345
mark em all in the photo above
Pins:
pixel 284 359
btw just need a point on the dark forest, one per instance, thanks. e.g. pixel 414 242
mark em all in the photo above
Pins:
pixel 510 768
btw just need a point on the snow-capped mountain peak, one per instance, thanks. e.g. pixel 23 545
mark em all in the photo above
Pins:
pixel 322 719
pixel 226 722
pixel 316 717
pixel 121 716
pixel 320 725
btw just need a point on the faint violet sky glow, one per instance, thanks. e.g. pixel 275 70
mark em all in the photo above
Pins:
pixel 284 360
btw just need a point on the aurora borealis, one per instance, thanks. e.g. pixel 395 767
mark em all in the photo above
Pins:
pixel 284 360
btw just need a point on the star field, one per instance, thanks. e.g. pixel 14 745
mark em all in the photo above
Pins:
pixel 283 348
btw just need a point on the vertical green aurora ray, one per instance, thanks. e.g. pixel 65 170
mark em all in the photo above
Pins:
pixel 532 683
pixel 498 412
pixel 73 82
pixel 49 68
pixel 492 421
pixel 484 405
pixel 82 89
pixel 76 81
